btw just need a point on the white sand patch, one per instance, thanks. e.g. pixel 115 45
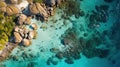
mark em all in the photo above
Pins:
pixel 44 36
pixel 23 4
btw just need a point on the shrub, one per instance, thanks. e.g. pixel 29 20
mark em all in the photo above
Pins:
pixel 6 26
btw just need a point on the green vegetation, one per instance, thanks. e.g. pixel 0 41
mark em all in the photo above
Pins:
pixel 6 27
pixel 40 1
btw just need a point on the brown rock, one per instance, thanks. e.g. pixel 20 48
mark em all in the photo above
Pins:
pixel 12 10
pixel 21 32
pixel 34 26
pixel 28 21
pixel 22 18
pixel 41 10
pixel 32 34
pixel 17 37
pixel 16 29
pixel 26 42
pixel 37 9
pixel 9 11
pixel 33 9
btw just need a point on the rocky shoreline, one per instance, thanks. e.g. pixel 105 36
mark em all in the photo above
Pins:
pixel 6 51
pixel 24 11
pixel 25 31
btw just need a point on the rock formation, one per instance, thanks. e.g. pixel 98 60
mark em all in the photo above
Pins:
pixel 21 19
pixel 26 42
pixel 37 9
pixel 34 26
pixel 12 10
pixel 27 21
pixel 17 37
pixel 32 34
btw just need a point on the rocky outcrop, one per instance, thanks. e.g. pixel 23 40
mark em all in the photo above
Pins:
pixel 22 18
pixel 28 21
pixel 37 9
pixel 8 9
pixel 23 35
pixel 16 29
pixel 32 34
pixel 12 10
pixel 34 26
pixel 17 37
pixel 26 42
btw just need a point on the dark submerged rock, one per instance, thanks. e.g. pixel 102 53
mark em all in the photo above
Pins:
pixel 108 1
pixel 76 56
pixel 54 50
pixel 69 61
pixel 59 55
pixel 103 53
pixel 31 64
pixel 51 60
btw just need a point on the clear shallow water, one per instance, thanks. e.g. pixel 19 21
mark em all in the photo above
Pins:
pixel 50 37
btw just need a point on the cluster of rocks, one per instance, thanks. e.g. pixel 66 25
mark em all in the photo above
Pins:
pixel 72 50
pixel 37 9
pixel 8 9
pixel 52 60
pixel 23 19
pixel 43 11
pixel 21 33
pixel 23 57
pixel 74 46
pixel 31 64
pixel 98 16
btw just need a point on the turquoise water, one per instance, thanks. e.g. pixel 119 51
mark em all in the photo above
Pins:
pixel 49 36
